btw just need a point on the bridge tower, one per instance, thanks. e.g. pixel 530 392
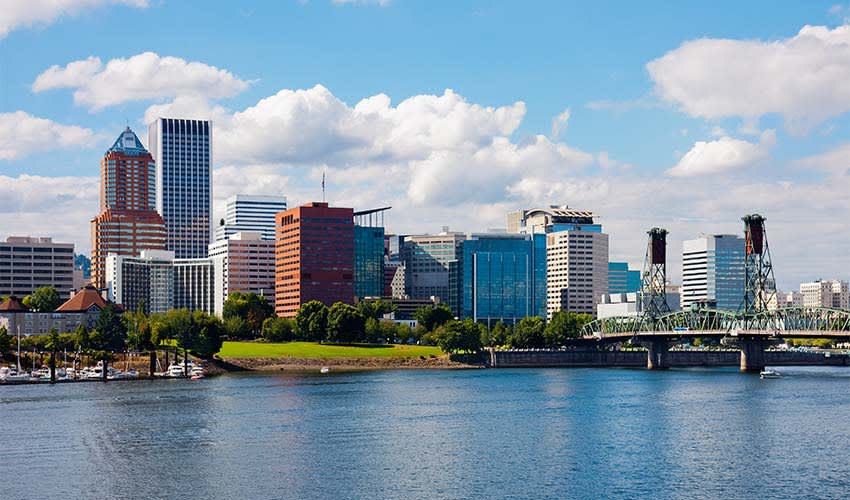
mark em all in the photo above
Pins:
pixel 653 297
pixel 759 283
pixel 653 287
pixel 759 291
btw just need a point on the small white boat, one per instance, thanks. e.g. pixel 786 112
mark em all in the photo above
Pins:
pixel 325 369
pixel 770 374
pixel 176 370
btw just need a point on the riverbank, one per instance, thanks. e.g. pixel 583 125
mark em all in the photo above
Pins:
pixel 308 356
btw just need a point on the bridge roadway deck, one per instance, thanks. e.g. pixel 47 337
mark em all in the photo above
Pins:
pixel 742 334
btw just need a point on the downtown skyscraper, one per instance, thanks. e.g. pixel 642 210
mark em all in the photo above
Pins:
pixel 182 151
pixel 128 222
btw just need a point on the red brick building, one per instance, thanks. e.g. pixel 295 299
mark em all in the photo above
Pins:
pixel 128 221
pixel 314 256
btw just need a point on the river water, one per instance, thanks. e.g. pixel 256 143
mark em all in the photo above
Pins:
pixel 521 433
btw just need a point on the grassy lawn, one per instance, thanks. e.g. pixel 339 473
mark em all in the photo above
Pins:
pixel 316 350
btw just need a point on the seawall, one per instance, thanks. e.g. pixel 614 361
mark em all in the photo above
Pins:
pixel 554 358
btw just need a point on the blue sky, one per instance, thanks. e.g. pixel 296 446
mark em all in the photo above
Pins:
pixel 448 160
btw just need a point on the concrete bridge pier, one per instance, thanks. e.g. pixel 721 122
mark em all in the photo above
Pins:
pixel 753 357
pixel 657 353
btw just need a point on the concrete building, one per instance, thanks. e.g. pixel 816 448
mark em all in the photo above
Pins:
pixel 822 293
pixel 618 304
pixel 27 263
pixel 549 220
pixel 161 282
pixel 250 213
pixel 83 308
pixel 182 152
pixel 713 271
pixel 673 293
pixel 502 277
pixel 428 261
pixel 629 304
pixel 394 280
pixel 788 299
pixel 621 279
pixel 314 257
pixel 128 221
pixel 247 265
pixel 577 270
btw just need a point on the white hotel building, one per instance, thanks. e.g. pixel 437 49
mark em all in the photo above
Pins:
pixel 250 213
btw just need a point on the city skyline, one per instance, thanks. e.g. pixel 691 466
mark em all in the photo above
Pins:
pixel 655 143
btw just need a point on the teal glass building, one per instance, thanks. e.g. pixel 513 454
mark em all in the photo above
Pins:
pixel 503 277
pixel 368 261
pixel 621 279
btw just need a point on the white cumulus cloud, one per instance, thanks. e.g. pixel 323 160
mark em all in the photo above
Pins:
pixel 722 155
pixel 805 78
pixel 559 124
pixel 140 77
pixel 25 13
pixel 22 134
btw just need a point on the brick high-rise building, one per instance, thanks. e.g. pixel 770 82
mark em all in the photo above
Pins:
pixel 314 256
pixel 128 221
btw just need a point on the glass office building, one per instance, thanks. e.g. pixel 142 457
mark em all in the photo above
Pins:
pixel 621 279
pixel 368 261
pixel 713 271
pixel 182 152
pixel 503 277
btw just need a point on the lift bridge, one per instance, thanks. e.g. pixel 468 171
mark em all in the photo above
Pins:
pixel 753 328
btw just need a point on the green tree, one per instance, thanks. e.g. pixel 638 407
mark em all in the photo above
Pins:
pixel 312 321
pixel 109 335
pixel 277 329
pixel 236 327
pixel 430 317
pixel 527 333
pixel 400 331
pixel 564 325
pixel 251 307
pixel 498 334
pixel 459 336
pixel 373 330
pixel 44 299
pixel 5 341
pixel 375 309
pixel 345 323
pixel 208 335
pixel 141 335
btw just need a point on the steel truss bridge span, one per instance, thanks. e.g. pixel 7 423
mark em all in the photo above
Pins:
pixel 800 322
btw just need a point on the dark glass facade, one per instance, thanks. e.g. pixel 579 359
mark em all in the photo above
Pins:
pixel 368 261
pixel 503 278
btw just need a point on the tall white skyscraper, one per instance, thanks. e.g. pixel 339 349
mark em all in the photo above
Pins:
pixel 713 271
pixel 247 213
pixel 182 152
pixel 576 270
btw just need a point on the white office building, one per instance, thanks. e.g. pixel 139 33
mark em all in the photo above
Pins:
pixel 27 263
pixel 250 213
pixel 576 270
pixel 161 282
pixel 182 152
pixel 713 271
pixel 831 293
pixel 247 265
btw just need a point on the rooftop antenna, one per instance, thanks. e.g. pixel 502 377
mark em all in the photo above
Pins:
pixel 323 185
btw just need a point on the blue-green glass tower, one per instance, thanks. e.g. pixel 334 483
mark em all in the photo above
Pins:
pixel 368 261
pixel 503 277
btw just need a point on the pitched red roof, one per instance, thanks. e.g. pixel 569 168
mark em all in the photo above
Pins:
pixel 12 304
pixel 83 300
